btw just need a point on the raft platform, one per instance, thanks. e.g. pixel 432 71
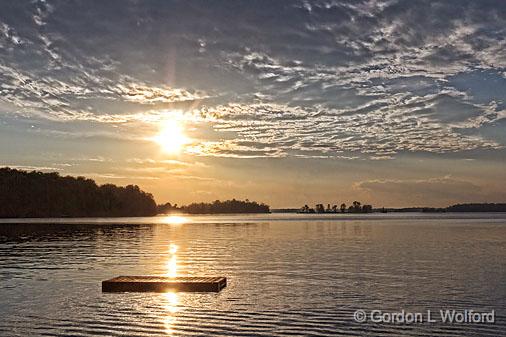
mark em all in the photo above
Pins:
pixel 163 284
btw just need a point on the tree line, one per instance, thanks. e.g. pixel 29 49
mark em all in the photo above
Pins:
pixel 36 194
pixel 216 207
pixel 355 207
pixel 490 207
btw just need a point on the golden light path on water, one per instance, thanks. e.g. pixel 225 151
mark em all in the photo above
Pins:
pixel 171 307
pixel 170 297
pixel 174 220
pixel 172 262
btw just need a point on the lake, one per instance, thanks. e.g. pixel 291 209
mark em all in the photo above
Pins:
pixel 288 274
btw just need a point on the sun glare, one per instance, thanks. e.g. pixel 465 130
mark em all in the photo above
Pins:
pixel 174 220
pixel 171 306
pixel 171 136
pixel 172 261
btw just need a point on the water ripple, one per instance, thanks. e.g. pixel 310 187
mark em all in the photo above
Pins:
pixel 286 276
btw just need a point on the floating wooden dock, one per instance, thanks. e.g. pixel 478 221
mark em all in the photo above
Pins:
pixel 163 284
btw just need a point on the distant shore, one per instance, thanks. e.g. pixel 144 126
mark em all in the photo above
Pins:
pixel 457 208
pixel 36 194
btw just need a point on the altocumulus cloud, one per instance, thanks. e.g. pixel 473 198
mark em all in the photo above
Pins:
pixel 435 191
pixel 343 79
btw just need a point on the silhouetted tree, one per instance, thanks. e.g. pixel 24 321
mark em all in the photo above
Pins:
pixel 227 206
pixel 356 207
pixel 343 207
pixel 367 209
pixel 37 194
pixel 166 208
pixel 306 209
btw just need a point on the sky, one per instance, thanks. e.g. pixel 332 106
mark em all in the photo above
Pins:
pixel 392 103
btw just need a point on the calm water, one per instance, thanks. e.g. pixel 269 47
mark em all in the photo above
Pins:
pixel 289 275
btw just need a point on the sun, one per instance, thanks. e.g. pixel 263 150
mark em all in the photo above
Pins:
pixel 171 136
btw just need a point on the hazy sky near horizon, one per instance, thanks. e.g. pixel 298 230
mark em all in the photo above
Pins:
pixel 394 103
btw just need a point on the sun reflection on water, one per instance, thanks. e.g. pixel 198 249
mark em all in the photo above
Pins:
pixel 170 297
pixel 171 307
pixel 171 301
pixel 172 262
pixel 174 220
pixel 172 248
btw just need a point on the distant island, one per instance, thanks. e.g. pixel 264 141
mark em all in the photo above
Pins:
pixel 357 207
pixel 216 207
pixel 468 207
pixel 36 194
pixel 477 208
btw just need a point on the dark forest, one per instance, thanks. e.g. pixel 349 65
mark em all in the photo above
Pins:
pixel 36 194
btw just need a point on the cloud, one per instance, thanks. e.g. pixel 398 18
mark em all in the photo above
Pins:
pixel 425 192
pixel 33 168
pixel 59 100
pixel 151 95
pixel 274 130
pixel 111 175
pixel 340 79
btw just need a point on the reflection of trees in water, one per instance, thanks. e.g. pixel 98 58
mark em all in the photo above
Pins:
pixel 69 251
pixel 26 232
